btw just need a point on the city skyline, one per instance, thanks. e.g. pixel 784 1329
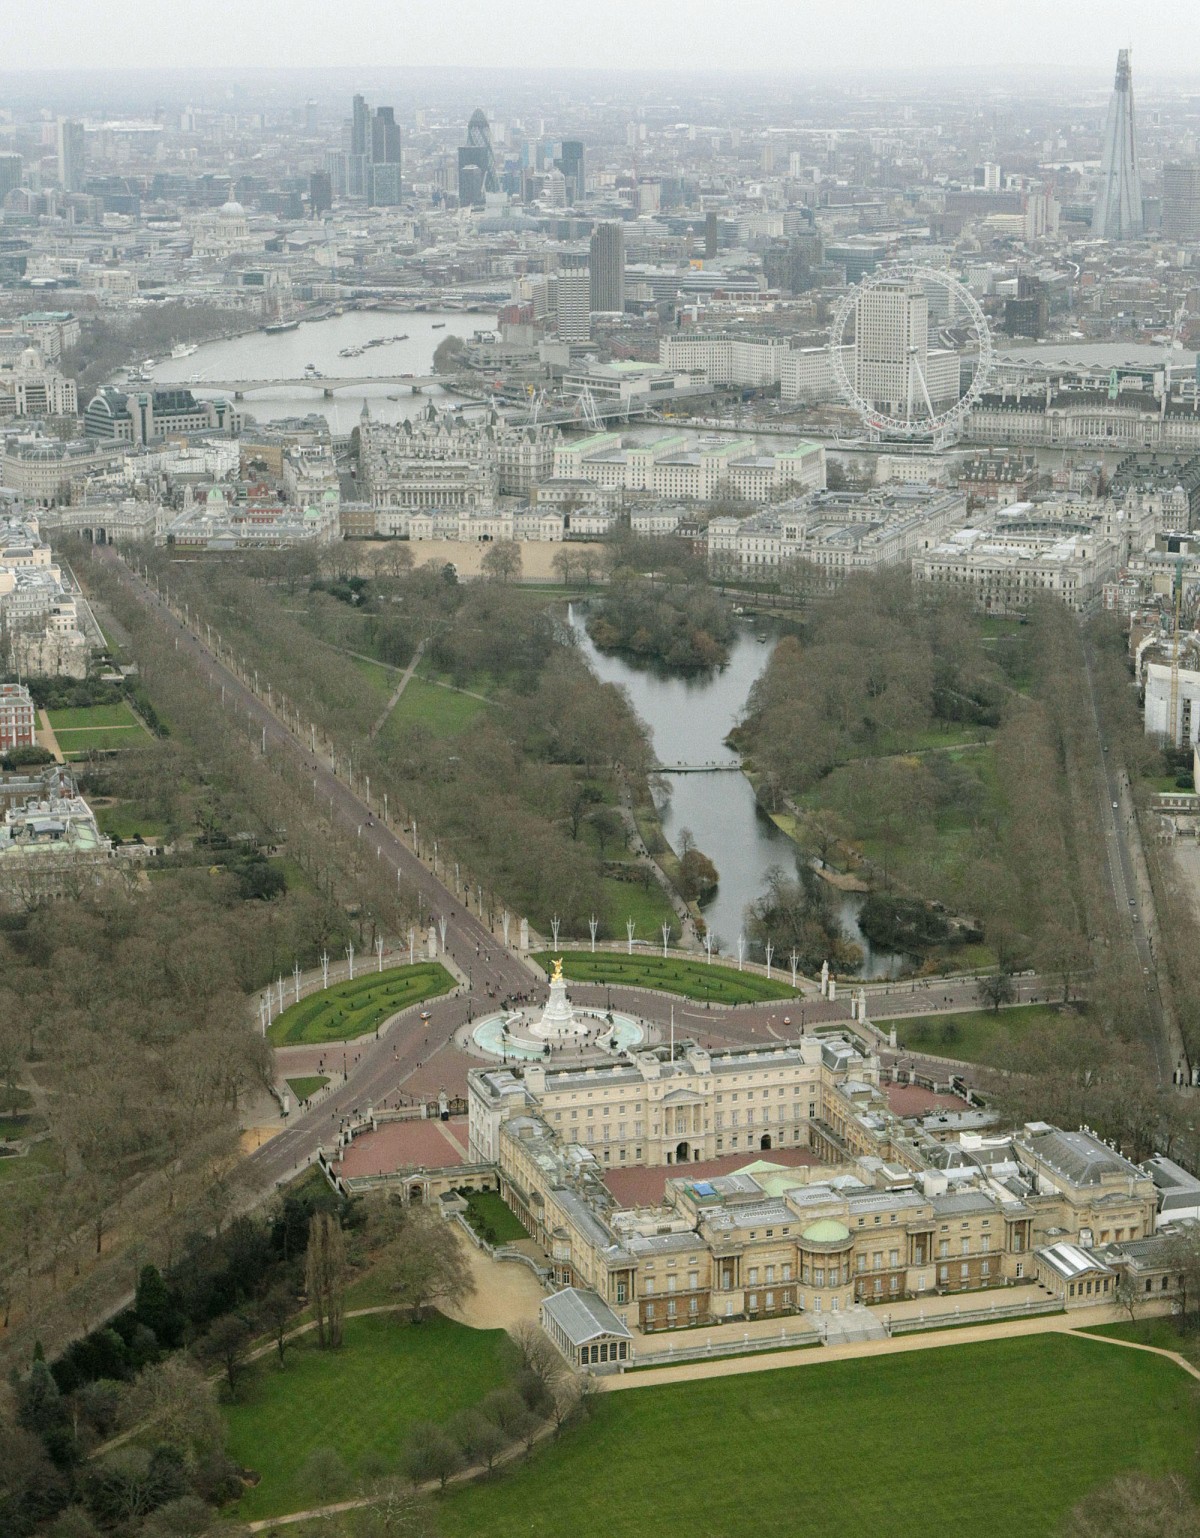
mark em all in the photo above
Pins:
pixel 854 37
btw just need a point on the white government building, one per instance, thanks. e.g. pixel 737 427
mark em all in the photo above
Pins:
pixel 680 468
pixel 837 532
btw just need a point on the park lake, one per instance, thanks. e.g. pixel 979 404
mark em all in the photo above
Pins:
pixel 689 715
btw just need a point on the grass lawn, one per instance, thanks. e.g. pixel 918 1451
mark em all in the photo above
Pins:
pixel 973 1440
pixel 978 1035
pixel 308 1085
pixel 381 678
pixel 493 1219
pixel 93 715
pixel 124 821
pixel 35 1165
pixel 648 906
pixel 78 744
pixel 363 1398
pixel 692 979
pixel 444 712
pixel 1159 1331
pixel 352 1009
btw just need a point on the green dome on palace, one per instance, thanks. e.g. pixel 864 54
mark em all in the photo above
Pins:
pixel 826 1231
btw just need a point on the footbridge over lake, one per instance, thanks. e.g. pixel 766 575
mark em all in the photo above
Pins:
pixel 714 766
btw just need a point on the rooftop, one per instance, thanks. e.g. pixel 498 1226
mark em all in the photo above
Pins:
pixel 583 1316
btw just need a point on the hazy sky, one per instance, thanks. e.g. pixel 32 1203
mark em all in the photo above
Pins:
pixel 804 36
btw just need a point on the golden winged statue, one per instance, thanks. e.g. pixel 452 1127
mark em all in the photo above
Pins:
pixel 557 976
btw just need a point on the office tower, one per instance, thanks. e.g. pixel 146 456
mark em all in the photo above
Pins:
pixel 470 184
pixel 360 148
pixel 570 163
pixel 607 265
pixel 891 346
pixel 1180 200
pixel 70 155
pixel 1029 313
pixel 360 127
pixel 711 236
pixel 383 173
pixel 1117 213
pixel 310 117
pixel 320 193
pixel 337 169
pixel 11 166
pixel 478 152
pixel 574 297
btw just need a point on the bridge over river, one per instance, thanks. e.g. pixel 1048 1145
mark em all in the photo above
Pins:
pixel 326 383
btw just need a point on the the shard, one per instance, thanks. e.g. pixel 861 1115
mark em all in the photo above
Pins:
pixel 1117 214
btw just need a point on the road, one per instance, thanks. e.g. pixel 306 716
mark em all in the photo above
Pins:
pixel 478 954
pixel 1121 880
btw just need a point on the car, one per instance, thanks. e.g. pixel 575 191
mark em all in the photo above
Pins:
pixel 1133 902
pixel 1115 807
pixel 425 1015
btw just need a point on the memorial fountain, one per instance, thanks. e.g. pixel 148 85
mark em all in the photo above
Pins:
pixel 559 1027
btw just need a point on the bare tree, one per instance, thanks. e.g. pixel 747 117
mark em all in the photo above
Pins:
pixel 226 1344
pixel 502 561
pixel 325 1276
pixel 427 1264
pixel 277 1311
pixel 1135 1506
pixel 430 1452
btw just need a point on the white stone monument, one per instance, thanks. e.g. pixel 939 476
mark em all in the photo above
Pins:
pixel 824 979
pixel 559 1022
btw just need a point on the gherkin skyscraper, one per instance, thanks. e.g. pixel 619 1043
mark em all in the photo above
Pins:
pixel 1117 213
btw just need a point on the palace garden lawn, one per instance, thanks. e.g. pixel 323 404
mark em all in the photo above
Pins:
pixel 692 979
pixel 359 1400
pixel 974 1440
pixel 975 1035
pixel 350 1009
